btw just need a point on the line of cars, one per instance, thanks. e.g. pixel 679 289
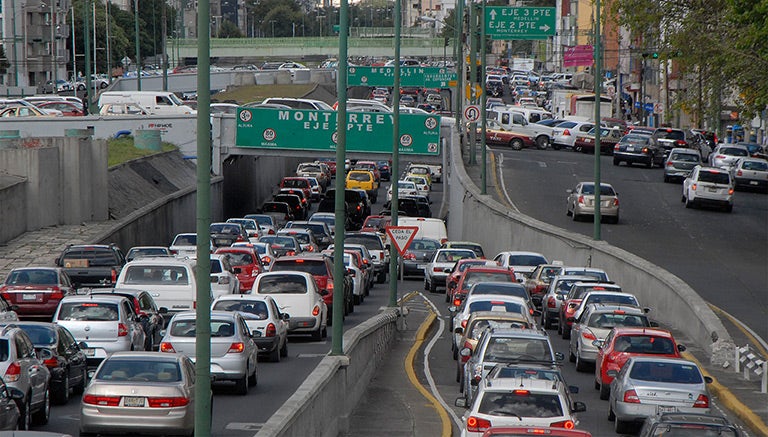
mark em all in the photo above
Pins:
pixel 509 374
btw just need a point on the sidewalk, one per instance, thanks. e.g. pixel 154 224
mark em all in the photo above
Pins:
pixel 406 411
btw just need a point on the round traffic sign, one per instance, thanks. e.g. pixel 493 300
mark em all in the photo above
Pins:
pixel 472 113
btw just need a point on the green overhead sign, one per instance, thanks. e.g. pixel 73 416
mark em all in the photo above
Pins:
pixel 504 22
pixel 294 129
pixel 428 77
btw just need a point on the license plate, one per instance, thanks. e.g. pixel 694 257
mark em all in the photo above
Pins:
pixel 752 182
pixel 222 242
pixel 421 266
pixel 665 409
pixel 131 401
pixel 89 352
pixel 28 296
pixel 712 190
pixel 630 149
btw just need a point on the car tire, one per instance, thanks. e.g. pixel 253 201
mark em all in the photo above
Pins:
pixel 25 414
pixel 688 203
pixel 516 144
pixel 241 385
pixel 555 146
pixel 728 208
pixel 274 356
pixel 432 287
pixel 382 277
pixel 574 216
pixel 611 415
pixel 571 356
pixel 616 162
pixel 317 335
pixel 447 296
pixel 325 333
pixel 357 300
pixel 454 353
pixel 458 379
pixel 253 380
pixel 80 388
pixel 60 392
pixel 542 142
pixel 41 416
pixel 605 391
pixel 581 366
pixel 650 163
pixel 566 332
pixel 426 283
pixel 547 322
pixel 666 179
pixel 622 426
pixel 284 349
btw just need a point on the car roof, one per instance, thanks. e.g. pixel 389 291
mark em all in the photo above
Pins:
pixel 163 260
pixel 89 298
pixel 609 308
pixel 505 384
pixel 164 356
pixel 484 268
pixel 519 332
pixel 641 331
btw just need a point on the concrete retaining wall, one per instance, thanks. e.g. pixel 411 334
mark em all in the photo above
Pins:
pixel 322 404
pixel 12 197
pixel 481 219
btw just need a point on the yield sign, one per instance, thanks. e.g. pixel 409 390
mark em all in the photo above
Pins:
pixel 401 236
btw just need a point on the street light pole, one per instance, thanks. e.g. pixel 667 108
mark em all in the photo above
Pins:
pixel 273 27
pixel 483 97
pixel 459 60
pixel 598 77
pixel 136 40
pixel 54 73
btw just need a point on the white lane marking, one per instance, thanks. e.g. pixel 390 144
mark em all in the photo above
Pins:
pixel 503 186
pixel 311 355
pixel 244 426
pixel 432 387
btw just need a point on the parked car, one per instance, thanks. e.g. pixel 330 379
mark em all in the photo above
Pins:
pixel 67 109
pixel 679 163
pixel 751 173
pixel 36 291
pixel 22 370
pixel 298 293
pixel 262 315
pixel 233 351
pixel 140 392
pixel 708 186
pixel 581 201
pixel 647 386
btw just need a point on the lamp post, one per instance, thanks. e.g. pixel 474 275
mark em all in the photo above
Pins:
pixel 598 82
pixel 136 39
pixel 273 27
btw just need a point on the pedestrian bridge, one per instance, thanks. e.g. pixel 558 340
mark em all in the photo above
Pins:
pixel 299 48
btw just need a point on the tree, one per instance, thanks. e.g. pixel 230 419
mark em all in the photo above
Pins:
pixel 4 64
pixel 229 30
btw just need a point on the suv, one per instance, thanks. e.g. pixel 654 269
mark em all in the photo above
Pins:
pixel 708 185
pixel 680 162
pixel 665 139
pixel 520 402
pixel 92 265
pixel 377 249
pixel 364 180
pixel 321 268
pixel 23 370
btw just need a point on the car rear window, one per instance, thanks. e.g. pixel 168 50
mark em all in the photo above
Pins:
pixel 27 276
pixel 684 157
pixel 282 284
pixel 618 318
pixel 4 352
pixel 473 247
pixel 157 275
pixel 634 139
pixel 247 224
pixel 89 311
pixel 301 237
pixel 621 299
pixel 489 305
pixel 477 328
pixel 472 278
pixel 733 151
pixel 40 335
pixel 313 267
pixel 521 403
pixel 280 242
pixel 755 165
pixel 526 260
pixel 94 256
pixel 644 344
pixel 670 134
pixel 677 373
pixel 295 183
pixel 372 242
pixel 454 255
pixel 187 328
pixel 506 289
pixel 225 229
pixel 714 177
pixel 511 348
pixel 185 240
pixel 360 176
pixel 139 370
pixel 604 190
pixel 250 309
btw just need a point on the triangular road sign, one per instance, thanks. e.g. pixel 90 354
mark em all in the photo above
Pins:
pixel 401 236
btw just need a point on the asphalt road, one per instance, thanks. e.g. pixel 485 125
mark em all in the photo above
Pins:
pixel 724 257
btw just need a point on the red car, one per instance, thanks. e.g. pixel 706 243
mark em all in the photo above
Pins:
pixel 623 343
pixel 473 275
pixel 297 183
pixel 573 300
pixel 376 223
pixel 247 260
pixel 68 109
pixel 36 291
pixel 458 269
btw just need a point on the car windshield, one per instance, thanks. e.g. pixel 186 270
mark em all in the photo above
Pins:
pixel 520 403
pixel 755 165
pixel 313 267
pixel 691 430
pixel 604 190
pixel 684 157
pixel 714 177
pixel 156 274
pixel 40 335
pixel 511 348
pixel 89 311
pixel 644 344
pixel 94 257
pixel 250 309
pixel 32 276
pixel 526 260
pixel 676 373
pixel 454 255
pixel 616 318
pixel 139 370
pixel 282 284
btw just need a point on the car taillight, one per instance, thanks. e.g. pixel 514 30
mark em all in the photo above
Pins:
pixel 266 260
pixel 291 253
pixel 437 269
pixel 103 401
pixel 359 208
pixel 616 201
pixel 167 402
pixel 456 302
pixel 551 303
pixel 114 276
pixel 701 402
pixel 6 296
pixel 567 424
pixel 13 372
pixel 739 173
pixel 477 424
pixel 588 335
pixel 693 187
pixel 566 132
pixel 730 191
pixel 463 323
pixel 223 280
pixel 271 331
pixel 51 363
pixel 194 304
pixel 630 397
pixel 271 232
pixel 167 347
pixel 236 347
pixel 311 249
pixel 315 310
pixel 409 255
pixel 670 164
pixel 581 200
pixel 122 330
pixel 616 147
pixel 174 252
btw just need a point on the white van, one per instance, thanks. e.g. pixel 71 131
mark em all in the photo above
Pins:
pixel 153 102
pixel 433 228
pixel 171 281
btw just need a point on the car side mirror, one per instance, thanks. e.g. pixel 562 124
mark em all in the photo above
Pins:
pixel 461 402
pixel 646 310
pixel 559 356
pixel 573 389
pixel 15 393
pixel 162 310
pixel 654 324
pixel 453 309
pixel 681 347
pixel 447 270
pixel 536 313
pixel 598 343
pixel 324 292
pixel 708 379
pixel 285 316
pixel 612 373
pixel 255 333
pixel 458 330
pixel 237 270
pixel 579 407
pixel 82 345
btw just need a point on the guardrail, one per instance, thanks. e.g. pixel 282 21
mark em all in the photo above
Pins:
pixel 747 362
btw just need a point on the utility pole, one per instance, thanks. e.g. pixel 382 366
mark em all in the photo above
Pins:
pixel 89 105
pixel 598 85
pixel 483 97
pixel 163 46
pixel 459 61
pixel 473 79
pixel 395 157
pixel 136 41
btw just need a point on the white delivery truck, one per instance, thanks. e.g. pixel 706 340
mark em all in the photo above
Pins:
pixel 152 102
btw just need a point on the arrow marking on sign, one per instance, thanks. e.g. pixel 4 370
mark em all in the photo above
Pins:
pixel 544 28
pixel 493 14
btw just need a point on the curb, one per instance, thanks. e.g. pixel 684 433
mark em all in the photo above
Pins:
pixel 731 402
pixel 421 334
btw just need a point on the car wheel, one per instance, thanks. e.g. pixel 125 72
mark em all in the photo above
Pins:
pixel 426 283
pixel 666 179
pixel 253 380
pixel 611 415
pixel 728 208
pixel 650 163
pixel 616 162
pixel 688 203
pixel 317 335
pixel 274 356
pixel 547 322
pixel 87 434
pixel 284 349
pixel 60 392
pixel 571 356
pixel 447 296
pixel 574 216
pixel 241 385
pixel 357 300
pixel 454 353
pixel 458 379
pixel 42 416
pixel 581 366
pixel 566 332
pixel 542 142
pixel 516 144
pixel 622 426
pixel 325 333
pixel 80 388
pixel 382 277
pixel 605 391
pixel 555 146
pixel 25 414
pixel 432 287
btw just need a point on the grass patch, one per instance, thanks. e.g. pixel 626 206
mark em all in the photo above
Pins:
pixel 122 150
pixel 246 94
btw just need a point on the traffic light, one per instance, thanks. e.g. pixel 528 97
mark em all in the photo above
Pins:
pixel 652 55
pixel 655 55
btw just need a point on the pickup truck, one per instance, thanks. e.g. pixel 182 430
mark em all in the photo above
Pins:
pixel 515 119
pixel 92 265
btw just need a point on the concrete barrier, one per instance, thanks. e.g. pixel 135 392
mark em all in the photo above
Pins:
pixel 323 403
pixel 481 219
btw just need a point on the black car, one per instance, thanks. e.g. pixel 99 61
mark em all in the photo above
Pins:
pixel 688 424
pixel 423 204
pixel 418 256
pixel 637 148
pixel 295 202
pixel 226 234
pixel 384 170
pixel 280 212
pixel 59 351
pixel 408 207
pixel 356 206
pixel 151 317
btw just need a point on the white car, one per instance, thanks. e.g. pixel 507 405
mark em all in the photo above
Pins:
pixel 523 263
pixel 422 184
pixel 708 186
pixel 358 279
pixel 262 315
pixel 485 302
pixel 185 245
pixel 297 294
pixel 440 265
pixel 564 134
pixel 404 189
pixel 223 278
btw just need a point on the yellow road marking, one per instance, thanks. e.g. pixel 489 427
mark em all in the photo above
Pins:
pixel 749 335
pixel 420 335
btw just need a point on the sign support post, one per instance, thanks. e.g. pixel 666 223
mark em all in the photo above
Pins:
pixel 483 97
pixel 395 155
pixel 598 91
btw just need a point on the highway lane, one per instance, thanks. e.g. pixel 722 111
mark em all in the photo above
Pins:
pixel 724 257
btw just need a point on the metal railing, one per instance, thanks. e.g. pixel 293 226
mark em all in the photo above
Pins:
pixel 747 362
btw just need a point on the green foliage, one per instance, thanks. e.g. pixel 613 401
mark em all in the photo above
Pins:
pixel 229 30
pixel 4 64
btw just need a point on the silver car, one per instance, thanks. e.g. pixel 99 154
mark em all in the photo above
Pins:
pixel 440 265
pixel 581 201
pixel 135 392
pixel 679 163
pixel 233 351
pixel 107 324
pixel 22 370
pixel 261 314
pixel 726 155
pixel 558 288
pixel 751 173
pixel 648 386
